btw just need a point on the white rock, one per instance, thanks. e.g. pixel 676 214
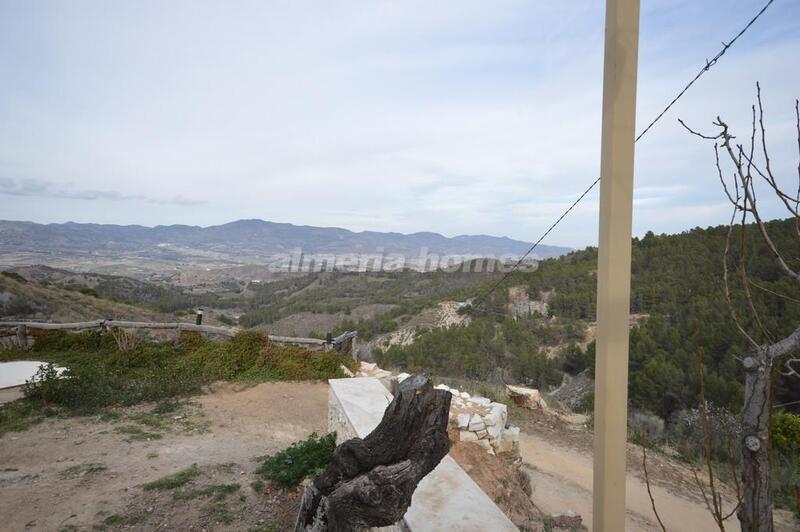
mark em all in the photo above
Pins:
pixel 504 446
pixel 441 387
pixel 499 406
pixel 495 431
pixel 402 377
pixel 476 423
pixel 511 434
pixel 485 444
pixel 346 371
pixel 464 395
pixel 463 421
pixel 466 435
pixel 480 401
pixel 481 434
pixel 368 366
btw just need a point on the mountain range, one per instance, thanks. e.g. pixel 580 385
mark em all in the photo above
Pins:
pixel 245 239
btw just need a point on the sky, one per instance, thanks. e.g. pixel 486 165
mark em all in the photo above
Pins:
pixel 459 117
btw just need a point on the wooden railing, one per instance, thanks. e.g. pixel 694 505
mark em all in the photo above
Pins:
pixel 20 329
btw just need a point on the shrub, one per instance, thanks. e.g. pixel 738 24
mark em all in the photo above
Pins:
pixel 586 406
pixel 645 427
pixel 14 275
pixel 295 363
pixel 99 374
pixel 289 467
pixel 786 435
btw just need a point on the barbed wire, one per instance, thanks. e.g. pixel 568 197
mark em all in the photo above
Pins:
pixel 708 65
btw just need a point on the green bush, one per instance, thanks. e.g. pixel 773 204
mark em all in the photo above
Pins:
pixel 14 275
pixel 786 434
pixel 307 458
pixel 99 375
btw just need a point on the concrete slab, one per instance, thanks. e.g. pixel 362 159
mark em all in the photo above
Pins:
pixel 17 372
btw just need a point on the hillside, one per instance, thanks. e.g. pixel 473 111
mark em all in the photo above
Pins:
pixel 23 299
pixel 243 240
pixel 677 303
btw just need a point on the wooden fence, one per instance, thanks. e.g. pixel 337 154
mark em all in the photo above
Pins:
pixel 344 342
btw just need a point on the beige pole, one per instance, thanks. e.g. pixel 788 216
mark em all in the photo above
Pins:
pixel 614 263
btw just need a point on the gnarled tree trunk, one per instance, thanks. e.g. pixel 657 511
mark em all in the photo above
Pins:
pixel 755 512
pixel 370 482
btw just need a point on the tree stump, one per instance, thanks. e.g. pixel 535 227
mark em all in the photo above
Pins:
pixel 369 482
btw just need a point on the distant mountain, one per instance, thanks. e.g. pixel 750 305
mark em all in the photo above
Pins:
pixel 246 239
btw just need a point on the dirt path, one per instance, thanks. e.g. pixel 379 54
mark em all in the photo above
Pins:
pixel 562 480
pixel 74 473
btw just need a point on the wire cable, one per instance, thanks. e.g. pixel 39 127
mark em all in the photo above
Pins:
pixel 709 64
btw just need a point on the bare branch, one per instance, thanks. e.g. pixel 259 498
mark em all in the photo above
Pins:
pixel 649 492
pixel 702 136
pixel 726 285
pixel 743 272
pixel 785 346
pixel 750 198
pixel 790 370
pixel 777 294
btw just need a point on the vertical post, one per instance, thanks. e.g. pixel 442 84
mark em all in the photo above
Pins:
pixel 22 336
pixel 614 263
pixel 199 318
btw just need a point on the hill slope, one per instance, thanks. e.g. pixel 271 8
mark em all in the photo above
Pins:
pixel 29 300
pixel 680 311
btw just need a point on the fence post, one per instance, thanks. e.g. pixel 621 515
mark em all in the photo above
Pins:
pixel 22 336
pixel 614 263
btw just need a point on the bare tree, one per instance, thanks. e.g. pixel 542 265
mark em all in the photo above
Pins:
pixel 750 164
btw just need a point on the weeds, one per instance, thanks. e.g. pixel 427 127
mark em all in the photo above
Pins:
pixel 218 491
pixel 20 414
pixel 81 470
pixel 137 433
pixel 176 480
pixel 99 375
pixel 219 512
pixel 129 520
pixel 289 467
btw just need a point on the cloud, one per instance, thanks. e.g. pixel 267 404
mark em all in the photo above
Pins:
pixel 456 116
pixel 46 189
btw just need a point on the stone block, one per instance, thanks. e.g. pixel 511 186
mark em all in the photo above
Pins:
pixel 402 377
pixel 495 431
pixel 463 421
pixel 466 435
pixel 511 434
pixel 482 401
pixel 484 444
pixel 476 423
pixel 481 434
pixel 367 367
pixel 465 395
pixel 504 446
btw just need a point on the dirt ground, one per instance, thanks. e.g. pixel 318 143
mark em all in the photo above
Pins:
pixel 558 458
pixel 88 473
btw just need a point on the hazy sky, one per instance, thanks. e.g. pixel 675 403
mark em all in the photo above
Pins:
pixel 461 117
